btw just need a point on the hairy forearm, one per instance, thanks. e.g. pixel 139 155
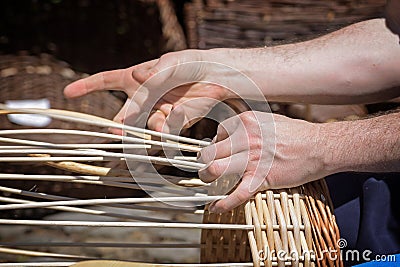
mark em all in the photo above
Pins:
pixel 370 145
pixel 357 64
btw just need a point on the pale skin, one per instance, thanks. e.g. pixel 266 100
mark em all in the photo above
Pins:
pixel 358 64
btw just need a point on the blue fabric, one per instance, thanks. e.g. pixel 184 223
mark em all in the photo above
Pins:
pixel 367 210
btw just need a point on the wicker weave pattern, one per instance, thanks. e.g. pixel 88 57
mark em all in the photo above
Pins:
pixel 224 245
pixel 292 227
pixel 242 23
pixel 325 230
pixel 29 77
pixel 293 233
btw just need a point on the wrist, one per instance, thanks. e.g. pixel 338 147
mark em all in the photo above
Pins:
pixel 240 70
pixel 334 147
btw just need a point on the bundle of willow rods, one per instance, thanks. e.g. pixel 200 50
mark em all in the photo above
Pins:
pixel 297 221
pixel 75 158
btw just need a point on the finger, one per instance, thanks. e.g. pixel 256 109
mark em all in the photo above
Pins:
pixel 236 164
pixel 175 120
pixel 141 72
pixel 239 196
pixel 108 80
pixel 128 113
pixel 226 128
pixel 159 70
pixel 145 65
pixel 165 107
pixel 116 131
pixel 233 144
pixel 156 121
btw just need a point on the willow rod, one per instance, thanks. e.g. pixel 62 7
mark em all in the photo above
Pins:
pixel 137 264
pixel 110 201
pixel 94 120
pixel 164 145
pixel 55 159
pixel 134 186
pixel 140 158
pixel 47 159
pixel 93 145
pixel 118 206
pixel 19 176
pixel 80 202
pixel 142 177
pixel 41 254
pixel 37 264
pixel 143 180
pixel 89 211
pixel 101 244
pixel 175 225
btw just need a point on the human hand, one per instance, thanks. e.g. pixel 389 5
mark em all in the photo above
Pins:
pixel 176 83
pixel 269 151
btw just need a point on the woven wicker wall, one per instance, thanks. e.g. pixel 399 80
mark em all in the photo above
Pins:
pixel 242 23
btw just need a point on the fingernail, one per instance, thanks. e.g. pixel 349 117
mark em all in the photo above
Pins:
pixel 212 209
pixel 198 155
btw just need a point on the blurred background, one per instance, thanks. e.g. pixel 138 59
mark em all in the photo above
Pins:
pixel 46 44
pixel 93 35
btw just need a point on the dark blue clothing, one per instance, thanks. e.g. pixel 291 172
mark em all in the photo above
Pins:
pixel 367 210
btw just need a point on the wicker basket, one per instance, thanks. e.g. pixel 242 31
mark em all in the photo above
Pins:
pixel 29 77
pixel 297 222
pixel 239 23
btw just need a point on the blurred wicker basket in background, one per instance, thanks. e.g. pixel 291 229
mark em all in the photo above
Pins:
pixel 27 77
pixel 240 23
pixel 31 77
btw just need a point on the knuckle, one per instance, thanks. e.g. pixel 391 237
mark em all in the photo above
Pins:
pixel 247 117
pixel 242 194
pixel 167 56
pixel 206 176
pixel 215 169
pixel 220 129
pixel 207 154
pixel 254 155
pixel 271 181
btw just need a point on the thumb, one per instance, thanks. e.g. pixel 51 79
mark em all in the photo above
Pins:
pixel 156 74
pixel 239 196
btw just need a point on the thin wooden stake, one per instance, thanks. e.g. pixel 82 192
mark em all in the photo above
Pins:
pixel 97 121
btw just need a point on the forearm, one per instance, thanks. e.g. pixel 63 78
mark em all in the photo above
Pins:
pixel 370 145
pixel 357 64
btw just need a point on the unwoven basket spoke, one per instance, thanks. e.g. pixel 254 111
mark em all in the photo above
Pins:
pixel 116 206
pixel 94 120
pixel 297 221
